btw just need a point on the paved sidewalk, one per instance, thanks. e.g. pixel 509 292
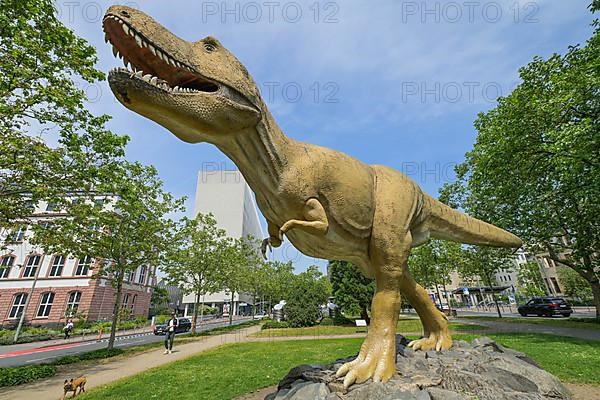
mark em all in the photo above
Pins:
pixel 114 369
pixel 524 327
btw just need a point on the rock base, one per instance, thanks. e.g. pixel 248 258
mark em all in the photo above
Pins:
pixel 482 370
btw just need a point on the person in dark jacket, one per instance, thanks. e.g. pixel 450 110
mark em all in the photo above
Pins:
pixel 170 335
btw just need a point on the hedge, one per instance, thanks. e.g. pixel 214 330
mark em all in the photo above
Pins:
pixel 20 375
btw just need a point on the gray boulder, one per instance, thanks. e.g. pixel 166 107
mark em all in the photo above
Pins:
pixel 482 369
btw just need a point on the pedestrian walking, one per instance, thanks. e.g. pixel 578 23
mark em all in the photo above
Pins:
pixel 68 328
pixel 170 335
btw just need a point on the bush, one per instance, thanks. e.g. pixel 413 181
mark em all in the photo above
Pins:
pixel 275 325
pixel 90 355
pixel 341 320
pixel 327 321
pixel 29 373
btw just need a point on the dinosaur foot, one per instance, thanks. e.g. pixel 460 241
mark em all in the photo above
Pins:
pixel 437 341
pixel 376 360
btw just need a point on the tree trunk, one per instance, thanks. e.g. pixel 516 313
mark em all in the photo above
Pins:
pixel 117 306
pixel 364 314
pixel 494 296
pixel 596 292
pixel 447 298
pixel 231 308
pixel 195 317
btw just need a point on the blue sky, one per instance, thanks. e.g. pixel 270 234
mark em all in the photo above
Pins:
pixel 397 83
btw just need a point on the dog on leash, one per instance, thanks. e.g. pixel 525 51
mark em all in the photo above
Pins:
pixel 73 384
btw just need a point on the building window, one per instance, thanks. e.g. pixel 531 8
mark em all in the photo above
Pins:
pixel 18 234
pixel 131 276
pixel 45 305
pixel 125 300
pixel 33 263
pixel 58 263
pixel 52 206
pixel 142 276
pixel 555 284
pixel 133 302
pixel 73 303
pixel 18 305
pixel 5 266
pixel 83 266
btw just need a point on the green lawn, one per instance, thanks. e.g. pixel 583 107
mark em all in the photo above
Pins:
pixel 405 325
pixel 226 372
pixel 232 370
pixel 572 360
pixel 581 323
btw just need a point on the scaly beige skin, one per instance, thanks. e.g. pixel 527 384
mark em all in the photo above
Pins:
pixel 329 205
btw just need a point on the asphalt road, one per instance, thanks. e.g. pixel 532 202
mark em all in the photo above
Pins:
pixel 506 312
pixel 46 354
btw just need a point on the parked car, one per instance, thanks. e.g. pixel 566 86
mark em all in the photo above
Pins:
pixel 183 325
pixel 260 316
pixel 546 306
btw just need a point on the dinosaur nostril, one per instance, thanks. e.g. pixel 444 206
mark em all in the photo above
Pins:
pixel 125 14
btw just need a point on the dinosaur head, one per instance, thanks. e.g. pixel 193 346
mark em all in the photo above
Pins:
pixel 197 90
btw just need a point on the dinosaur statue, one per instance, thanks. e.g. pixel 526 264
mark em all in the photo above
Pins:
pixel 328 204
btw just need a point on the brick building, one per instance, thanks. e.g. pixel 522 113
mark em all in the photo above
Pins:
pixel 63 284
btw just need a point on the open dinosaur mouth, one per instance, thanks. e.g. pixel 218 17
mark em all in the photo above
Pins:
pixel 150 63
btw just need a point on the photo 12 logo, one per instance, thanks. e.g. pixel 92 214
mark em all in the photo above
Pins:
pixel 270 11
pixel 88 11
pixel 469 11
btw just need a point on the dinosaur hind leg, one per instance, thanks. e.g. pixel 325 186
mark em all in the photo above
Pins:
pixel 435 324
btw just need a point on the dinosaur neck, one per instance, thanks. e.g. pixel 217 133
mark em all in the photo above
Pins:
pixel 260 153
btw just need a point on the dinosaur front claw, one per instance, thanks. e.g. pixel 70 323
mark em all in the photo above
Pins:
pixel 269 242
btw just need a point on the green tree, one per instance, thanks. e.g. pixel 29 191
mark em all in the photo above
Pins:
pixel 124 229
pixel 307 292
pixel 42 63
pixel 484 263
pixel 160 299
pixel 353 291
pixel 197 258
pixel 530 280
pixel 432 264
pixel 281 275
pixel 535 167
pixel 241 255
pixel 574 285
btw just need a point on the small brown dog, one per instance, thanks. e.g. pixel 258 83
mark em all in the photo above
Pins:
pixel 73 384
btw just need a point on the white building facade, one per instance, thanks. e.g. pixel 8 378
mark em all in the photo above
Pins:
pixel 226 195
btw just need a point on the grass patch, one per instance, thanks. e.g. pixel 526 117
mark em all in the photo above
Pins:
pixel 228 371
pixel 580 323
pixel 572 360
pixel 236 369
pixel 405 325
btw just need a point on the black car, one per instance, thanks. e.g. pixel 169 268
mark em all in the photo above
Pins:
pixel 183 325
pixel 546 306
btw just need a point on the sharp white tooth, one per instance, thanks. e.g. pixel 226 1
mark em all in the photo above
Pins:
pixel 139 74
pixel 154 80
pixel 125 28
pixel 138 40
pixel 144 43
pixel 172 62
pixel 106 38
pixel 126 61
pixel 160 54
pixel 152 49
pixel 147 77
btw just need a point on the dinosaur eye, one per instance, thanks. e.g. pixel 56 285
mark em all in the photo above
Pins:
pixel 209 47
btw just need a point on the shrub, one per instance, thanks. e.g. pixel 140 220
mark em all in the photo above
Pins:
pixel 28 373
pixel 90 355
pixel 275 325
pixel 341 320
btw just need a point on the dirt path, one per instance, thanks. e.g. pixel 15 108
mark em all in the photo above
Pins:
pixel 110 370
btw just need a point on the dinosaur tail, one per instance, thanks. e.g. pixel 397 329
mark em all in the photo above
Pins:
pixel 448 224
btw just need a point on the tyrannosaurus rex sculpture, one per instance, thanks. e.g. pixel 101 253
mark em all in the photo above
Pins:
pixel 327 203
